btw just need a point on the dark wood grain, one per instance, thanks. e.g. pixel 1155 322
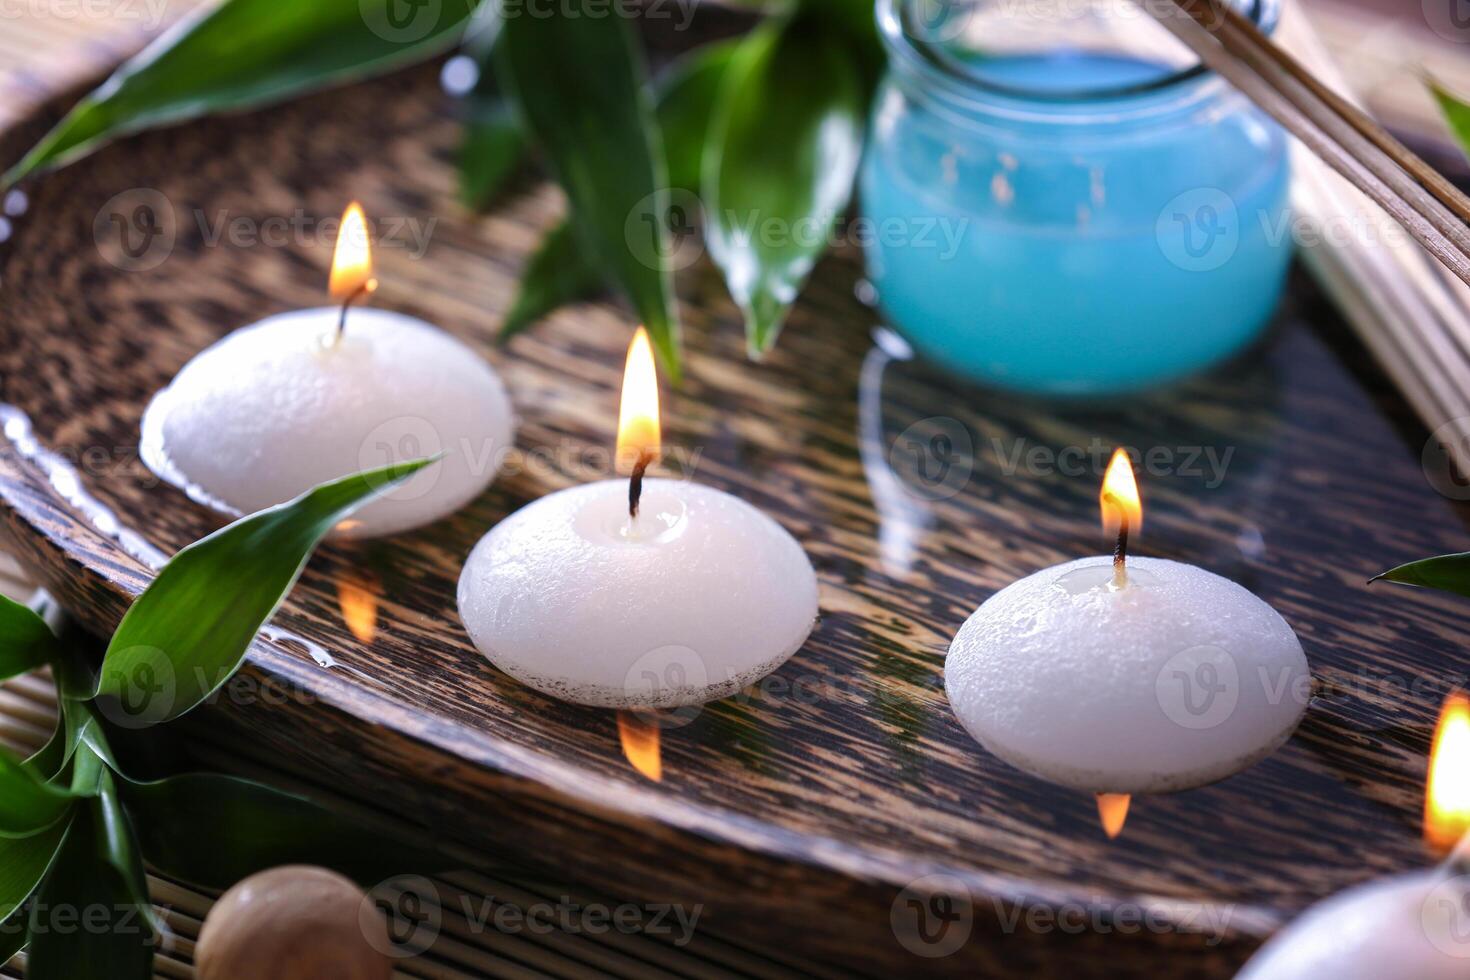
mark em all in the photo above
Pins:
pixel 796 813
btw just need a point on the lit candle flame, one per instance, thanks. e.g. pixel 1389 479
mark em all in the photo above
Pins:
pixel 1112 810
pixel 1122 510
pixel 1447 795
pixel 638 422
pixel 358 597
pixel 639 735
pixel 1119 496
pixel 352 261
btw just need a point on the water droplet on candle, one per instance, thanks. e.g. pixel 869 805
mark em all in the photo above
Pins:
pixel 1100 577
pixel 5 229
pixel 865 292
pixel 16 203
pixel 662 517
pixel 650 527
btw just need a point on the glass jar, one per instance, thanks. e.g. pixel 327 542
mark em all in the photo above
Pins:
pixel 1059 198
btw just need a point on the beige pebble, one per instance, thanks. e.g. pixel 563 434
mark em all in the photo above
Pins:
pixel 294 923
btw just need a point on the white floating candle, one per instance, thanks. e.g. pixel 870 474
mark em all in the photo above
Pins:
pixel 279 406
pixel 697 596
pixel 1411 926
pixel 1141 677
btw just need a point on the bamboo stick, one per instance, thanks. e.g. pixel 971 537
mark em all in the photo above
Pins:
pixel 1411 315
pixel 1410 190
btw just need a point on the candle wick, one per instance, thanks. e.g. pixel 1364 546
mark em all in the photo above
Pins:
pixel 342 318
pixel 635 483
pixel 1120 554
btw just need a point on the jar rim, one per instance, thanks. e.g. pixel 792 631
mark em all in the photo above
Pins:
pixel 926 58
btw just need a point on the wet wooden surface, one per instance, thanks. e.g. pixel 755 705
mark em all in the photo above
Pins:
pixel 797 812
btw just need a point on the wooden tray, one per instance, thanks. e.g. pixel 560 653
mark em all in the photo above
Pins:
pixel 794 816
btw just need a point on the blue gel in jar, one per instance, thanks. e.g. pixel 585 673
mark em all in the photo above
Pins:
pixel 1065 202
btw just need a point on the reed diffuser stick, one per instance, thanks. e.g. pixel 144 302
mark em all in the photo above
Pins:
pixel 1398 181
pixel 1412 315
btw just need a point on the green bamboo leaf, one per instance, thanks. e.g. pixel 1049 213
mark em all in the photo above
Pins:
pixel 1456 112
pixel 26 642
pixel 1449 573
pixel 580 84
pixel 94 773
pixel 13 934
pixel 212 830
pixel 75 727
pixel 858 20
pixel 85 921
pixel 494 145
pixel 247 53
pixel 494 137
pixel 188 632
pixel 688 93
pixel 120 845
pixel 23 864
pixel 556 274
pixel 93 756
pixel 779 167
pixel 27 803
pixel 48 761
